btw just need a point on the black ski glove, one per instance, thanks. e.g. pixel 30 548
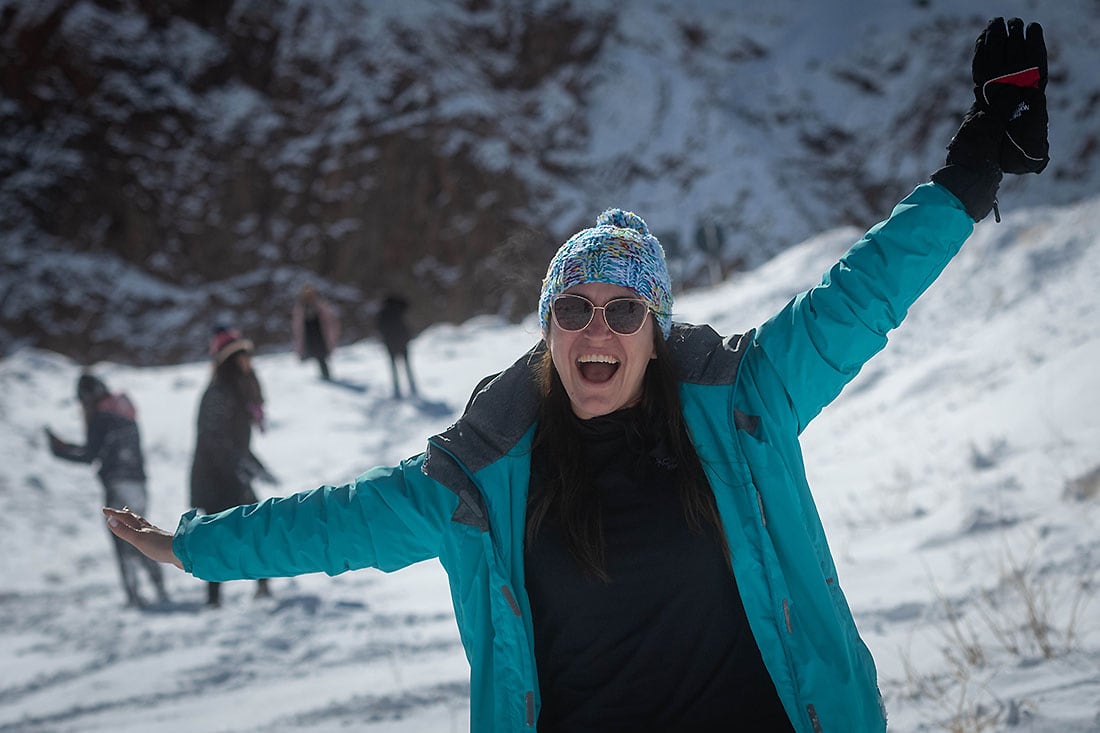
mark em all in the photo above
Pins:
pixel 1010 81
pixel 1006 127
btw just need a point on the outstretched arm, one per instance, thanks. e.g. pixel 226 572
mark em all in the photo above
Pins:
pixel 154 542
pixel 73 452
pixel 822 338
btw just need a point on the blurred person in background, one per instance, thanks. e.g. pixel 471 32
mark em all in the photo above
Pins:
pixel 224 466
pixel 113 440
pixel 316 328
pixel 395 335
pixel 624 514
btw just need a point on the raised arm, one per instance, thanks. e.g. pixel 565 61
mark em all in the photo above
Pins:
pixel 822 338
pixel 86 453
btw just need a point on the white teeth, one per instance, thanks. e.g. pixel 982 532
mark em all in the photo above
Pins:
pixel 597 359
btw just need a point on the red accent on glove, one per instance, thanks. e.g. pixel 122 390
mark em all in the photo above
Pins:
pixel 1028 78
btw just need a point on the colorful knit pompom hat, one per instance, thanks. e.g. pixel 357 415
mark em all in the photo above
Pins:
pixel 619 250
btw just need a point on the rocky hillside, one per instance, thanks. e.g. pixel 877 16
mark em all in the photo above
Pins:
pixel 166 165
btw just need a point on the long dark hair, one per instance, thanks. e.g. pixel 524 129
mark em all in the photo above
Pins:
pixel 567 490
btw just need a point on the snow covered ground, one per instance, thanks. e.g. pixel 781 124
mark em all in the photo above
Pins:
pixel 953 478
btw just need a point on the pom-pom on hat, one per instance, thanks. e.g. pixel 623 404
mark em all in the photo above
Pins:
pixel 619 250
pixel 225 343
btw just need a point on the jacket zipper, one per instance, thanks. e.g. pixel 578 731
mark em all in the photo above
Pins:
pixel 814 721
pixel 529 696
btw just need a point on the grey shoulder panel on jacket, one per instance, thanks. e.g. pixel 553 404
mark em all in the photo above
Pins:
pixel 703 356
pixel 501 410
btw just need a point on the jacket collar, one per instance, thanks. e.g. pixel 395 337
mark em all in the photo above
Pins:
pixel 505 406
pixel 500 412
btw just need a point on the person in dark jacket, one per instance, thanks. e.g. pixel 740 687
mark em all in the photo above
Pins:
pixel 224 466
pixel 396 337
pixel 623 513
pixel 316 328
pixel 113 440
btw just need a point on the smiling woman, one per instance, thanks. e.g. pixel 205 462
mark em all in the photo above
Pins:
pixel 616 268
pixel 601 369
pixel 620 519
pixel 623 513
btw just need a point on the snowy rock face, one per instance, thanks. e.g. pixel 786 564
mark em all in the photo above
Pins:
pixel 167 165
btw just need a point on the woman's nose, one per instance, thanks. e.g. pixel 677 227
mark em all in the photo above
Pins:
pixel 598 325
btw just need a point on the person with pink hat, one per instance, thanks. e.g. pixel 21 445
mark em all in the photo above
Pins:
pixel 224 466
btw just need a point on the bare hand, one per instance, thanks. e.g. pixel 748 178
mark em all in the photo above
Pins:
pixel 154 542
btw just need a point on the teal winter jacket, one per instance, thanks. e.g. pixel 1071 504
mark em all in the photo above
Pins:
pixel 746 399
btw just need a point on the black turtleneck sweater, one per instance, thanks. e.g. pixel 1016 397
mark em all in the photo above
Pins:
pixel 665 645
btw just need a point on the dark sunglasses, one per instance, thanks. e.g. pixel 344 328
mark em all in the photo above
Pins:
pixel 624 316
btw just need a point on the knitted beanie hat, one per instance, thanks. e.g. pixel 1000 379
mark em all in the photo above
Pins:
pixel 619 250
pixel 226 342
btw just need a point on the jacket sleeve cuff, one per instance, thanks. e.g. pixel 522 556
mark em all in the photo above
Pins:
pixel 179 540
pixel 974 186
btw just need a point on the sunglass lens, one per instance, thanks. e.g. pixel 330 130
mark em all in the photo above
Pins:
pixel 625 316
pixel 572 313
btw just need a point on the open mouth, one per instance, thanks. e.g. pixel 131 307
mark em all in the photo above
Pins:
pixel 597 368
